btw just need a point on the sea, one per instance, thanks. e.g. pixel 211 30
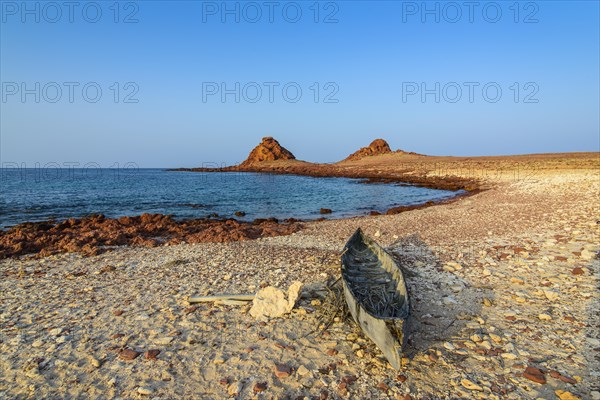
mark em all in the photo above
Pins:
pixel 30 194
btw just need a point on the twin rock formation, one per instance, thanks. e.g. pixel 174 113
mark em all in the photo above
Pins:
pixel 270 150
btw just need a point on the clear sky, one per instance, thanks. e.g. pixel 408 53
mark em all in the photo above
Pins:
pixel 211 80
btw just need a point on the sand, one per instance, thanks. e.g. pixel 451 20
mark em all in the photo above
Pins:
pixel 504 290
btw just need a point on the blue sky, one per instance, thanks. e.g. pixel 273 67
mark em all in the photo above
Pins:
pixel 369 60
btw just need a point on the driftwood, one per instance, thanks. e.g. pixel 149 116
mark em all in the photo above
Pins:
pixel 229 299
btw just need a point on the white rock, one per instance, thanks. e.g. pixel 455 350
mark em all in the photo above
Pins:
pixel 145 390
pixel 551 294
pixel 545 317
pixel 55 331
pixel 163 340
pixel 270 302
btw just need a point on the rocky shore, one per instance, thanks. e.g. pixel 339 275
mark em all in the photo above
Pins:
pixel 504 287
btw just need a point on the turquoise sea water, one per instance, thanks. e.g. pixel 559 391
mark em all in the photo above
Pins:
pixel 60 193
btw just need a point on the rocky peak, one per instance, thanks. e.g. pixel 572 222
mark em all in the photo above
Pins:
pixel 377 147
pixel 268 150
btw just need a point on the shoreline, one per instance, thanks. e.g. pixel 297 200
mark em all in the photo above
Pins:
pixel 55 236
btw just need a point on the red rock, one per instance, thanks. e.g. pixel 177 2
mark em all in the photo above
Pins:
pixel 268 150
pixel 224 381
pixel 377 147
pixel 90 235
pixel 323 395
pixel 534 374
pixel 190 309
pixel 349 379
pixel 383 387
pixel 152 354
pixel 566 379
pixel 325 211
pixel 117 335
pixel 578 271
pixel 259 387
pixel 118 313
pixel 401 378
pixel 282 370
pixel 560 258
pixel 128 354
pixel 332 352
pixel 373 213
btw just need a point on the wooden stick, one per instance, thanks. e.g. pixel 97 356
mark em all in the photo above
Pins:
pixel 221 297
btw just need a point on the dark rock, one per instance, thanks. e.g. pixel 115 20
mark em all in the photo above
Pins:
pixel 534 374
pixel 128 354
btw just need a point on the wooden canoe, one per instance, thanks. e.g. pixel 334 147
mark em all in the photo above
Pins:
pixel 376 294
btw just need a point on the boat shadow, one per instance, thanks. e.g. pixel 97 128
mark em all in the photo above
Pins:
pixel 441 303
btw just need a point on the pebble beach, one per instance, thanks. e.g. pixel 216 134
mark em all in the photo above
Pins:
pixel 504 298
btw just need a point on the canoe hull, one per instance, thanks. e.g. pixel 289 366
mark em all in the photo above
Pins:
pixel 388 331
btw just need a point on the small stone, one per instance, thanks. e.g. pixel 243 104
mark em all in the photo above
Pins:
pixel 315 302
pixel 566 379
pixel 37 343
pixel 220 359
pixel 551 294
pixel 487 302
pixel 224 381
pixel 118 313
pixel 259 387
pixel 534 374
pixel 401 378
pixel 545 317
pixel 360 353
pixel 349 379
pixel 95 362
pixel 303 371
pixel 577 271
pixel 495 338
pixel 476 338
pixel 163 341
pixel 117 336
pixel 470 385
pixel 448 268
pixel 282 370
pixel 235 388
pixel 145 391
pixel 128 354
pixel 517 280
pixel 152 354
pixel 55 331
pixel 449 346
pixel 332 352
pixel 383 387
pixel 564 395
